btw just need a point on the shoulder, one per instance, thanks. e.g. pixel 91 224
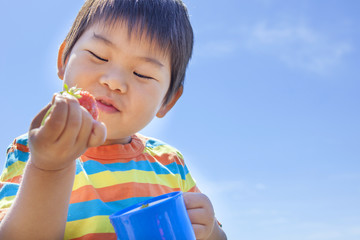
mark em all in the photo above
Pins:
pixel 20 143
pixel 161 149
pixel 17 156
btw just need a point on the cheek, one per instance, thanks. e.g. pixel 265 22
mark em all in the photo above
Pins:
pixel 76 71
pixel 70 73
pixel 148 108
pixel 152 100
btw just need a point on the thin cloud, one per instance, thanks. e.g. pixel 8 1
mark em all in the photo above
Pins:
pixel 216 48
pixel 297 45
pixel 335 233
pixel 260 186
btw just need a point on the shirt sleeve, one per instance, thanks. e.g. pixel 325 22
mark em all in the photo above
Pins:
pixel 17 156
pixel 188 183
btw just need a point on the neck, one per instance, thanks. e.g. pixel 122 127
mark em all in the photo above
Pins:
pixel 125 140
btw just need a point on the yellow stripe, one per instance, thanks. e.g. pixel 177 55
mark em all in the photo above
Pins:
pixel 188 183
pixel 163 149
pixel 16 169
pixel 97 224
pixel 7 201
pixel 105 179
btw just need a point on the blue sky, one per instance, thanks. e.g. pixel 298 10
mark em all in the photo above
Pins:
pixel 269 120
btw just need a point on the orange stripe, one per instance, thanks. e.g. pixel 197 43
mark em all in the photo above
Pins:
pixel 104 161
pixel 3 213
pixel 16 179
pixel 194 189
pixel 11 149
pixel 164 159
pixel 119 192
pixel 100 236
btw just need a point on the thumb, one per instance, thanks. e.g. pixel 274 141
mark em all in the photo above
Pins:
pixel 36 122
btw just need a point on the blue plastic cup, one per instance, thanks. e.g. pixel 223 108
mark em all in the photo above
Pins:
pixel 161 217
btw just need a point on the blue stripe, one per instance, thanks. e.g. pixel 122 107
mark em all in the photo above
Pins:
pixel 93 167
pixel 152 143
pixel 16 156
pixel 23 139
pixel 82 210
pixel 8 190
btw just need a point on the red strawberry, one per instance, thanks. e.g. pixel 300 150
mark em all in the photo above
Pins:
pixel 89 103
pixel 85 99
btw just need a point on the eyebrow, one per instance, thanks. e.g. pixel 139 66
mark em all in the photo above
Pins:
pixel 111 44
pixel 103 39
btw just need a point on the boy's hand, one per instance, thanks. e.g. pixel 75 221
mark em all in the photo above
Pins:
pixel 67 133
pixel 201 214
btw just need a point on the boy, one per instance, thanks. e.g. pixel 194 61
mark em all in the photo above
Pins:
pixel 71 173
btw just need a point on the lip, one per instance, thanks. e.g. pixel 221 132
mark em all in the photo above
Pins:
pixel 106 105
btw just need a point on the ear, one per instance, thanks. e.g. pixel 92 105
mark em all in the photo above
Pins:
pixel 165 108
pixel 60 65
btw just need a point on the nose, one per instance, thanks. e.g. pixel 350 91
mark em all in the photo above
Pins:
pixel 115 80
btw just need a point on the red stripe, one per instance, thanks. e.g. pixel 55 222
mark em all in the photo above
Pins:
pixel 18 146
pixel 22 147
pixel 97 236
pixel 119 192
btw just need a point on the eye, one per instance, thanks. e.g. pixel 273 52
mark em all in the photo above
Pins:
pixel 97 57
pixel 142 76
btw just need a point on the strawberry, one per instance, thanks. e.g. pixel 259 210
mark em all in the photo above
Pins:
pixel 89 103
pixel 85 99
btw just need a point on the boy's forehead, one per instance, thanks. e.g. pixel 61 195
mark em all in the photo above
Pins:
pixel 136 34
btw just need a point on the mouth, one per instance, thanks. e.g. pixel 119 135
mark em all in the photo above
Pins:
pixel 106 105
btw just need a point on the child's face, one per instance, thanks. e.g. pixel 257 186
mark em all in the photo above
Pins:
pixel 129 77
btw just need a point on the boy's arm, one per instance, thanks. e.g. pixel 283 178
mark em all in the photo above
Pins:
pixel 41 205
pixel 202 217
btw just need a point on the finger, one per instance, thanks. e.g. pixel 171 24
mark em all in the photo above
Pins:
pixel 199 216
pixel 54 96
pixel 195 200
pixel 36 123
pixel 86 128
pixel 200 231
pixel 98 134
pixel 54 125
pixel 73 121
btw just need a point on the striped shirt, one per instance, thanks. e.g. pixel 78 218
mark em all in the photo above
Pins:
pixel 108 179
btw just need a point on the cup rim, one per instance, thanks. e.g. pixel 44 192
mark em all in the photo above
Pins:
pixel 125 211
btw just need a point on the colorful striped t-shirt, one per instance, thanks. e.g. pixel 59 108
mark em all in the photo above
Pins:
pixel 108 179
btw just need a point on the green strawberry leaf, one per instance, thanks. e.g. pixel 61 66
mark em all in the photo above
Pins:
pixel 66 87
